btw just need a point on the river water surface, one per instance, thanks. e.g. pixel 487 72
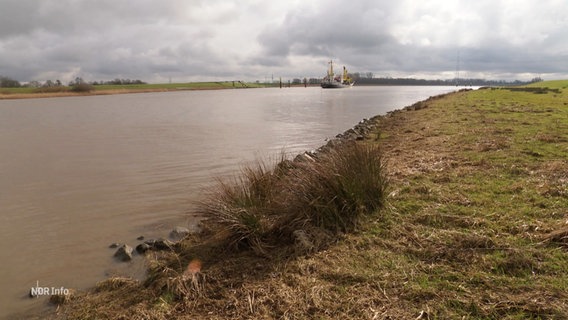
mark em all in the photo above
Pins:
pixel 79 173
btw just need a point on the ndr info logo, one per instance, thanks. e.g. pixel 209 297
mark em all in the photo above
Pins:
pixel 47 291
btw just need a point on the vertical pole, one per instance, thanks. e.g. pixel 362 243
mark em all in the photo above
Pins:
pixel 458 70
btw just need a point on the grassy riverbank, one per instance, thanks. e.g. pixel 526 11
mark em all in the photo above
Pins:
pixel 474 225
pixel 65 91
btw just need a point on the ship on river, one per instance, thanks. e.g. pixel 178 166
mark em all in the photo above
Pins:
pixel 332 81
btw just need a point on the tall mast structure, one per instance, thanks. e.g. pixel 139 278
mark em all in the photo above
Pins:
pixel 458 69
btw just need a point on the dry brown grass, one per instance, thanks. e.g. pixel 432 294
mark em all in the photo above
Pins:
pixel 267 206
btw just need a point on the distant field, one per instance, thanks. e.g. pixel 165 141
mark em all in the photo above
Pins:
pixel 6 91
pixel 182 86
pixel 18 93
pixel 553 84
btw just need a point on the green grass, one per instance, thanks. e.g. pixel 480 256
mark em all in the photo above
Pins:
pixel 16 90
pixel 559 84
pixel 482 202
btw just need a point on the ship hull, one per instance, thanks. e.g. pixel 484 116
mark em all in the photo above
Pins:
pixel 335 85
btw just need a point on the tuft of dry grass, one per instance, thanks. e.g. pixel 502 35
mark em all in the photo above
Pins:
pixel 240 210
pixel 335 191
pixel 114 283
pixel 264 207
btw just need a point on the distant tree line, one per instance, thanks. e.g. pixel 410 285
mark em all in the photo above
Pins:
pixel 77 85
pixel 448 82
pixel 118 82
pixel 7 82
pixel 369 79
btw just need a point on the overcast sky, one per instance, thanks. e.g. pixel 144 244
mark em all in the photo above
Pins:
pixel 195 40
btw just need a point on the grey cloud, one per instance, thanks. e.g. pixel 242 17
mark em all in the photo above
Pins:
pixel 362 35
pixel 71 16
pixel 197 39
pixel 17 17
pixel 104 39
pixel 355 26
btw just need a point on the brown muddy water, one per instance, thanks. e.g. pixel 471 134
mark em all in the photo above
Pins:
pixel 80 173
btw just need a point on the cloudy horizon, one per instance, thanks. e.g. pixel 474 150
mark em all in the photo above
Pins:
pixel 216 40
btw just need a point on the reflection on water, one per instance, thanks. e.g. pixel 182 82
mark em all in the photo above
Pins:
pixel 79 173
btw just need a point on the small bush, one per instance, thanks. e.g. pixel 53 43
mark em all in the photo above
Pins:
pixel 82 87
pixel 240 209
pixel 336 191
pixel 266 206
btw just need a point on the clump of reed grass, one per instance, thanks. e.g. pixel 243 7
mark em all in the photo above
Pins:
pixel 335 191
pixel 191 283
pixel 174 278
pixel 265 205
pixel 241 209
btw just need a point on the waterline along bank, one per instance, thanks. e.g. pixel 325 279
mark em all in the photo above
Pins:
pixel 472 224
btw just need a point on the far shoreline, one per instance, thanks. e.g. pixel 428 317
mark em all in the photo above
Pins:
pixel 97 92
pixel 59 92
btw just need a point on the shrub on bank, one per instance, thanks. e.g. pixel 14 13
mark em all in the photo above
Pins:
pixel 241 210
pixel 336 191
pixel 264 206
pixel 82 87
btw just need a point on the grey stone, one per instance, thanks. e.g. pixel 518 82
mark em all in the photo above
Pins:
pixel 179 233
pixel 163 244
pixel 142 248
pixel 150 242
pixel 124 253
